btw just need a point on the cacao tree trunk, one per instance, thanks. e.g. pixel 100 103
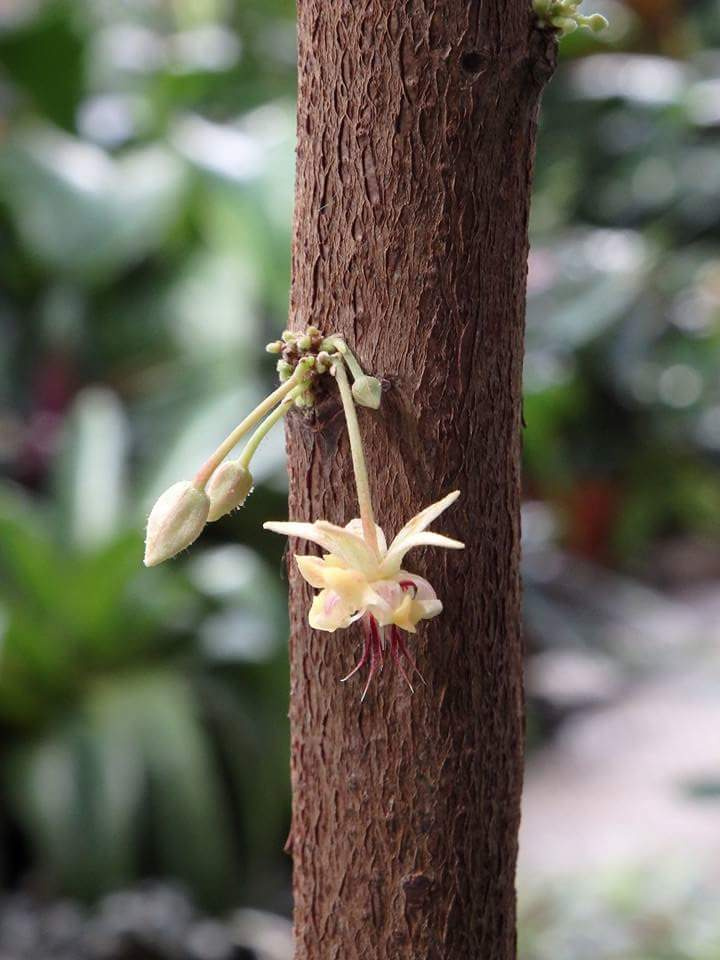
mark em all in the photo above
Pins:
pixel 416 127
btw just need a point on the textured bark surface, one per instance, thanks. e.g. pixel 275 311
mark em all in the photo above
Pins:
pixel 416 126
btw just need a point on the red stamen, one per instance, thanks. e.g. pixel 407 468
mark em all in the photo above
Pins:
pixel 374 653
pixel 365 654
pixel 404 652
pixel 395 651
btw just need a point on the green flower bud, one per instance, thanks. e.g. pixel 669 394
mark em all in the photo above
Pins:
pixel 228 488
pixel 306 363
pixel 597 22
pixel 288 336
pixel 367 391
pixel 275 347
pixel 176 520
pixel 284 369
pixel 305 343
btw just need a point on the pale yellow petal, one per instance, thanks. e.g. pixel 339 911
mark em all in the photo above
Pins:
pixel 351 585
pixel 423 519
pixel 355 526
pixel 349 547
pixel 328 612
pixel 304 531
pixel 393 561
pixel 312 569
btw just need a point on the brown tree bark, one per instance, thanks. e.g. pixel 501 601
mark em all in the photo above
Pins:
pixel 416 127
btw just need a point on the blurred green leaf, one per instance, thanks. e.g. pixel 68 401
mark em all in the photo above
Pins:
pixel 82 212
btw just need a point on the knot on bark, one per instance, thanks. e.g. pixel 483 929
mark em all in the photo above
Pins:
pixel 416 887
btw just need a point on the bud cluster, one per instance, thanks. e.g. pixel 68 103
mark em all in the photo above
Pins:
pixel 295 348
pixel 563 16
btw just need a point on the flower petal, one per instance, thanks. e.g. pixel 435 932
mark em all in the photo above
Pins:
pixel 304 531
pixel 351 585
pixel 312 569
pixel 392 562
pixel 329 612
pixel 350 548
pixel 426 516
pixel 424 592
pixel 355 526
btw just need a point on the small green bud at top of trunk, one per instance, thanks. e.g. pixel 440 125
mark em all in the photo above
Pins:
pixel 176 520
pixel 228 488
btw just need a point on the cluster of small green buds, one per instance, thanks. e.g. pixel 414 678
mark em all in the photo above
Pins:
pixel 297 349
pixel 318 353
pixel 564 16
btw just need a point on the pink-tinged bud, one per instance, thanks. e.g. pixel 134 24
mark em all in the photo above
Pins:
pixel 176 520
pixel 228 488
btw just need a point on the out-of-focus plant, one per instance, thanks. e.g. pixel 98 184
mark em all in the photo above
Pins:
pixel 661 913
pixel 130 702
pixel 145 187
pixel 622 399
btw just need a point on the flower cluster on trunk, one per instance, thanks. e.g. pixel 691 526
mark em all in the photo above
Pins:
pixel 359 577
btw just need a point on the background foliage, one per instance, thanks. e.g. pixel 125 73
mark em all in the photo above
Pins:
pixel 145 196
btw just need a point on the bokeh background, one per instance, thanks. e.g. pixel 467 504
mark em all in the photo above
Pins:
pixel 146 171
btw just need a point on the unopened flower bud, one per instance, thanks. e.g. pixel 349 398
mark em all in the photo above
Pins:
pixel 312 331
pixel 305 342
pixel 597 22
pixel 284 369
pixel 176 520
pixel 275 347
pixel 367 391
pixel 288 336
pixel 228 488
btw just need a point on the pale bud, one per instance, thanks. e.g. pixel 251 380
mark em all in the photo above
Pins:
pixel 228 488
pixel 597 22
pixel 176 520
pixel 284 369
pixel 367 391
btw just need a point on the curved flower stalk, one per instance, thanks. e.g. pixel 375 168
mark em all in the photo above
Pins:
pixel 360 577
